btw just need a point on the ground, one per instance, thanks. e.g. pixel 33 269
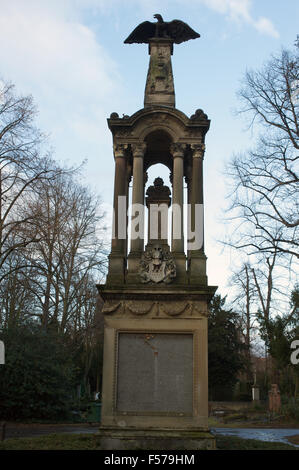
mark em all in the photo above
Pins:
pixel 255 420
pixel 82 436
pixel 91 442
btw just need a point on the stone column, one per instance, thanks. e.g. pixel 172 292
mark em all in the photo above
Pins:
pixel 177 242
pixel 120 189
pixel 188 181
pixel 118 244
pixel 137 244
pixel 197 256
pixel 129 178
pixel 197 176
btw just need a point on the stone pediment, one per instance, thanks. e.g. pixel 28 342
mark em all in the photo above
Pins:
pixel 149 119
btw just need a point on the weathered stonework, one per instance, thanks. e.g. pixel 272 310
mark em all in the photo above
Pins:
pixel 159 89
pixel 155 439
pixel 155 300
pixel 157 265
pixel 153 309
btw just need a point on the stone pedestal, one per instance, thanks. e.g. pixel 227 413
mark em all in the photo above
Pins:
pixel 153 439
pixel 155 358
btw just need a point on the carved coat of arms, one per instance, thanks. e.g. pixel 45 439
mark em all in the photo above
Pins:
pixel 157 265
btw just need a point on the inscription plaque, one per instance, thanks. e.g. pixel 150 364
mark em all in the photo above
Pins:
pixel 155 373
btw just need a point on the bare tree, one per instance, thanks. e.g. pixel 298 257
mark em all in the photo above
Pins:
pixel 51 227
pixel 52 245
pixel 70 247
pixel 81 251
pixel 244 304
pixel 17 302
pixel 264 195
pixel 21 167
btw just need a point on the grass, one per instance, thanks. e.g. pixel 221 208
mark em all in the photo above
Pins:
pixel 53 442
pixel 255 421
pixel 236 443
pixel 294 439
pixel 92 442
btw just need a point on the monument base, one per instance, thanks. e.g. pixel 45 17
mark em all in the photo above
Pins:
pixel 155 439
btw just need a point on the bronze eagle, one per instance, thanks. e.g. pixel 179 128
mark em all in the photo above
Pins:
pixel 176 30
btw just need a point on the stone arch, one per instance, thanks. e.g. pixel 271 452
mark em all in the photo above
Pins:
pixel 170 122
pixel 158 149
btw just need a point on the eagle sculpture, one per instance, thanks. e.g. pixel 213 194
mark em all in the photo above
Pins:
pixel 176 30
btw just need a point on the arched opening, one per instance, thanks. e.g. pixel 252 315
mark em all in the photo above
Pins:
pixel 162 171
pixel 151 172
pixel 157 170
pixel 158 149
pixel 158 162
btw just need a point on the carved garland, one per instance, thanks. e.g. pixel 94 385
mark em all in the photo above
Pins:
pixel 174 312
pixel 111 308
pixel 139 311
pixel 194 307
pixel 166 307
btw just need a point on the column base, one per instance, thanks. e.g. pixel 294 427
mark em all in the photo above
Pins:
pixel 155 439
pixel 197 268
pixel 116 270
pixel 181 267
pixel 133 276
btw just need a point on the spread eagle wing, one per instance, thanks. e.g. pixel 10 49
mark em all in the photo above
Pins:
pixel 180 31
pixel 142 33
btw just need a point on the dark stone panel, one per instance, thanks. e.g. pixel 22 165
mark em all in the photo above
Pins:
pixel 155 373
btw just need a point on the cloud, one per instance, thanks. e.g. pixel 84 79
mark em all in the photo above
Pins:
pixel 49 48
pixel 265 26
pixel 50 53
pixel 239 11
pixel 236 10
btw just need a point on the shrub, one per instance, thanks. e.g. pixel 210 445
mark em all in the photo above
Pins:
pixel 291 410
pixel 37 378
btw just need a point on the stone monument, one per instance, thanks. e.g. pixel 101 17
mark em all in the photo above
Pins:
pixel 155 300
pixel 255 390
pixel 274 399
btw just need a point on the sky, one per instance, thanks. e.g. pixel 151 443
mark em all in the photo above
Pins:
pixel 70 56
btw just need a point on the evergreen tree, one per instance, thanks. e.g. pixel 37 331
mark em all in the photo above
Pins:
pixel 226 351
pixel 39 375
pixel 278 334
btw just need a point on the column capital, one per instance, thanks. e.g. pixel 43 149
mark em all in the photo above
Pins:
pixel 198 150
pixel 119 150
pixel 138 149
pixel 177 149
